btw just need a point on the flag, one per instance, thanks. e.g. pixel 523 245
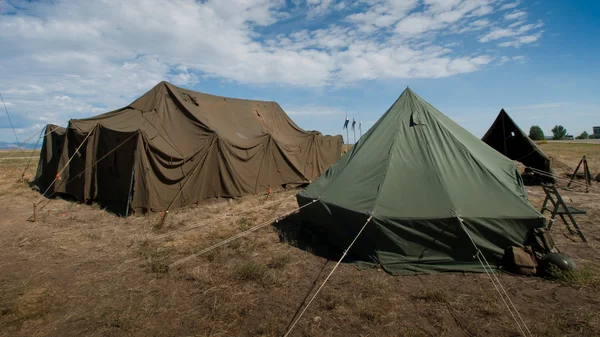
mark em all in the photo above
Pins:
pixel 346 122
pixel 353 123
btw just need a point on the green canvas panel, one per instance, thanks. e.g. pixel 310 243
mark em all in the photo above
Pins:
pixel 417 172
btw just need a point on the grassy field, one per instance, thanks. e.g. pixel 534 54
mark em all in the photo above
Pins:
pixel 80 270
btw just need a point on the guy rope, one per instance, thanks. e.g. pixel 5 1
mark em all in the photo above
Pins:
pixel 11 125
pixel 512 309
pixel 550 175
pixel 67 164
pixel 21 146
pixel 80 173
pixel 289 330
pixel 227 215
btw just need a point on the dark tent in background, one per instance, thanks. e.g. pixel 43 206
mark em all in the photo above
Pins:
pixel 421 177
pixel 176 146
pixel 507 138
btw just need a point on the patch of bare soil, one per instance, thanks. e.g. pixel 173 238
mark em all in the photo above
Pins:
pixel 80 270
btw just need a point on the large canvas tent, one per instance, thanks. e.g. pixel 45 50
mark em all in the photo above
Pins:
pixel 506 137
pixel 176 146
pixel 419 174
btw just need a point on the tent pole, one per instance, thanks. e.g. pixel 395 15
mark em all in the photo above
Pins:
pixel 130 185
pixel 504 134
pixel 86 168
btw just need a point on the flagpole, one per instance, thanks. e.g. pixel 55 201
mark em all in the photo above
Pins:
pixel 353 128
pixel 360 126
pixel 347 135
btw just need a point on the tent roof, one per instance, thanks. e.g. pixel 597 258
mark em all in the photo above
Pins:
pixel 506 137
pixel 427 183
pixel 175 119
pixel 416 163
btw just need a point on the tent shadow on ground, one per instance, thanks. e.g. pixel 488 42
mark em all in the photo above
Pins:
pixel 294 231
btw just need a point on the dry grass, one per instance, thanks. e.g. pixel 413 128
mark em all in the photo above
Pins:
pixel 82 271
pixel 155 257
pixel 566 156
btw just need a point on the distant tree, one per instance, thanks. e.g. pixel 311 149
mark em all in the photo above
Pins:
pixel 583 135
pixel 559 132
pixel 536 133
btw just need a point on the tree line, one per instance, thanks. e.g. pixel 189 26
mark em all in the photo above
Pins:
pixel 558 133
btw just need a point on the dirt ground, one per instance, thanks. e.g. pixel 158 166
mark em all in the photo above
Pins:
pixel 82 271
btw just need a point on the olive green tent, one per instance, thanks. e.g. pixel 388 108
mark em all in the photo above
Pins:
pixel 418 174
pixel 176 147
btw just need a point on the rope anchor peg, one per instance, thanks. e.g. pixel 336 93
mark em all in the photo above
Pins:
pixel 34 212
pixel 163 218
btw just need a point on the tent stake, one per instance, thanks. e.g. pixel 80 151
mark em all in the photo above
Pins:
pixel 34 212
pixel 162 220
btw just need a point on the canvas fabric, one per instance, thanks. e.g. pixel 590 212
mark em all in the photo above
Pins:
pixel 506 137
pixel 429 185
pixel 183 147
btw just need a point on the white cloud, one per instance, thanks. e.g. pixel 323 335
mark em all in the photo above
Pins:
pixel 102 57
pixel 310 110
pixel 440 14
pixel 516 24
pixel 417 24
pixel 515 15
pixel 21 90
pixel 521 40
pixel 472 26
pixel 382 13
pixel 519 58
pixel 509 5
pixel 497 33
pixel 515 32
pixel 503 60
pixel 483 10
pixel 480 23
pixel 317 7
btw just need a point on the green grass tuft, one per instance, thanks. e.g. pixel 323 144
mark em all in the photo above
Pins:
pixel 582 277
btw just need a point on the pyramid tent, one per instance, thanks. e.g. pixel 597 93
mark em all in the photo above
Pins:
pixel 416 172
pixel 507 138
pixel 176 147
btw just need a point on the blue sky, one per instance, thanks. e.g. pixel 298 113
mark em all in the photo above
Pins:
pixel 538 60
